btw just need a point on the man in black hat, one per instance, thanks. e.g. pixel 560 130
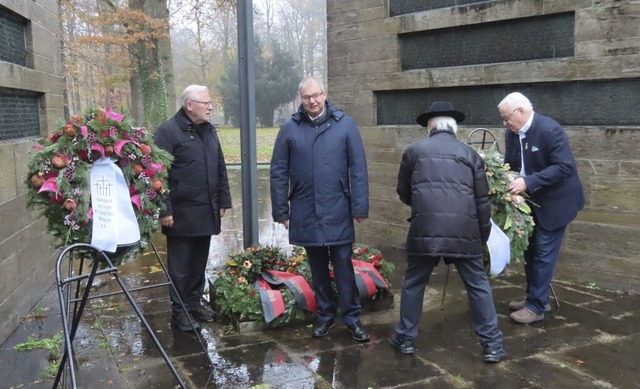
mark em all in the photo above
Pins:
pixel 444 182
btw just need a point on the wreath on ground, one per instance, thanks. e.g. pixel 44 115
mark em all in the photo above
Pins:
pixel 510 212
pixel 58 176
pixel 235 297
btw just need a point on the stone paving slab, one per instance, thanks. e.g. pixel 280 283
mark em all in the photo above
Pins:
pixel 589 341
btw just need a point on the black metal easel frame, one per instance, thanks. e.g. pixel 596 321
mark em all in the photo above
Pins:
pixel 72 305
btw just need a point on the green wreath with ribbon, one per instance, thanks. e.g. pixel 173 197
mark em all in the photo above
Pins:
pixel 58 177
pixel 511 213
pixel 240 292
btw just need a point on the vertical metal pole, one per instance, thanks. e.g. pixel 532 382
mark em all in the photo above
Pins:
pixel 246 61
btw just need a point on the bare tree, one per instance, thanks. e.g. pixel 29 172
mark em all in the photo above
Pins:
pixel 205 33
pixel 301 26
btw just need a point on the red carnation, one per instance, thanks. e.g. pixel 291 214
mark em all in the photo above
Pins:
pixel 83 155
pixel 57 199
pixel 54 137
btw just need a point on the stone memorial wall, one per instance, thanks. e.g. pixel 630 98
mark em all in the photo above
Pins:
pixel 578 61
pixel 31 88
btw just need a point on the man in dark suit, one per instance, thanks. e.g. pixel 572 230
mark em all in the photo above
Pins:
pixel 538 148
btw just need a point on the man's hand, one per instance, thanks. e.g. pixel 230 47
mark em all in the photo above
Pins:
pixel 516 186
pixel 222 212
pixel 285 224
pixel 167 221
pixel 358 219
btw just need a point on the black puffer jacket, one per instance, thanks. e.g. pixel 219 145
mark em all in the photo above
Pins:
pixel 198 183
pixel 444 182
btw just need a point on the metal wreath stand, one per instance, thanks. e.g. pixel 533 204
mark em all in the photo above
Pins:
pixel 73 296
pixel 484 138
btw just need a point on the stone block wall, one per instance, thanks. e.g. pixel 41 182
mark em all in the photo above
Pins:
pixel 385 66
pixel 31 90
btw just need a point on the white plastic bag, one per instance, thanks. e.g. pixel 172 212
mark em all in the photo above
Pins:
pixel 499 249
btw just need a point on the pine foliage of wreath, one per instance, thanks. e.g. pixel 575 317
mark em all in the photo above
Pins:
pixel 58 178
pixel 235 297
pixel 510 212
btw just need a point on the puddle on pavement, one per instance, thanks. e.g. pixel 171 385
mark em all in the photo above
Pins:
pixel 238 361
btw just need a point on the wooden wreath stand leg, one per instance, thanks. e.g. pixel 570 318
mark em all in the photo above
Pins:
pixel 72 305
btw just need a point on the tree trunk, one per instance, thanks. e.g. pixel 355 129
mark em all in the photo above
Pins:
pixel 149 67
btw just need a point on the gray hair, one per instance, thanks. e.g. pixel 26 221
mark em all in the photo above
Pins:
pixel 308 80
pixel 443 123
pixel 516 100
pixel 190 92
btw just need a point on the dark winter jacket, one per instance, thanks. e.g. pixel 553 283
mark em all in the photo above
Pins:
pixel 444 182
pixel 319 178
pixel 198 184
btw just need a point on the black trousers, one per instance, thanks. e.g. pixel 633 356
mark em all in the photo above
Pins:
pixel 483 313
pixel 187 260
pixel 348 298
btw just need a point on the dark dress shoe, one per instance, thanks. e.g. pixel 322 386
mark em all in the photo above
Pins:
pixel 203 313
pixel 322 328
pixel 358 333
pixel 181 322
pixel 495 354
pixel 404 344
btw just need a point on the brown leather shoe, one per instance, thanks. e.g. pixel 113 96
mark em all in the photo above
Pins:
pixel 526 316
pixel 518 305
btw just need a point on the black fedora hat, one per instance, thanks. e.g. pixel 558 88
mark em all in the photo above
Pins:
pixel 440 108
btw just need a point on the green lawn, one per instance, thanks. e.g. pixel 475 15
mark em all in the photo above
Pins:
pixel 230 141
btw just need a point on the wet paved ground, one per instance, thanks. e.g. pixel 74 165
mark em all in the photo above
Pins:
pixel 590 341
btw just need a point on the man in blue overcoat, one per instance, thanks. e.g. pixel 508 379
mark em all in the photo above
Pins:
pixel 319 186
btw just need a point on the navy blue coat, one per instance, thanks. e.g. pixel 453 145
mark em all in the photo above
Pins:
pixel 319 178
pixel 444 182
pixel 198 183
pixel 551 172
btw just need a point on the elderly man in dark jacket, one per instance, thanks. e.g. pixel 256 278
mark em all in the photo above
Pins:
pixel 444 182
pixel 197 200
pixel 319 186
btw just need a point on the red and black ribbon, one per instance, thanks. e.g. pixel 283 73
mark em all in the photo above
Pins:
pixel 272 301
pixel 368 278
pixel 301 290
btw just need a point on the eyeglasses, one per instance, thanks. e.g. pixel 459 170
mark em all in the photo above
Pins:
pixel 506 118
pixel 207 103
pixel 314 96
